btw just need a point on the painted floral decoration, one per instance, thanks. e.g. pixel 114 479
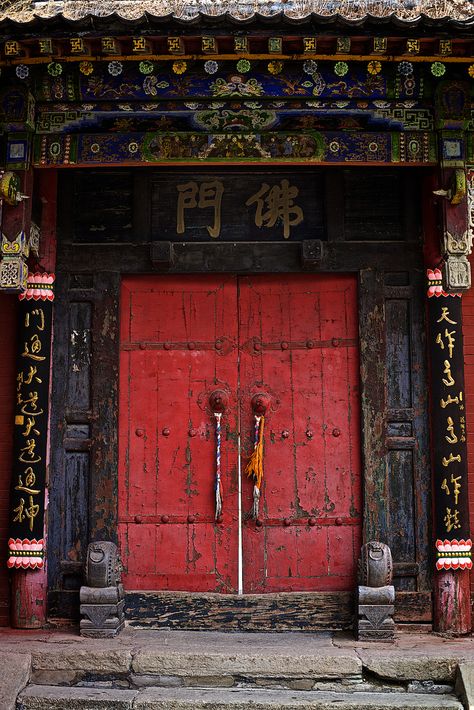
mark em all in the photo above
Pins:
pixel 179 67
pixel 310 66
pixel 275 67
pixel 438 69
pixel 55 69
pixel 374 67
pixel 22 71
pixel 470 70
pixel 243 66
pixel 86 68
pixel 210 67
pixel 405 68
pixel 341 68
pixel 145 67
pixel 115 68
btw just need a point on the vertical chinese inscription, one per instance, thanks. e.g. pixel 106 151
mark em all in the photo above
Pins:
pixel 453 545
pixel 26 543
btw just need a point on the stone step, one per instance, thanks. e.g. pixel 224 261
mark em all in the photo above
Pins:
pixel 42 697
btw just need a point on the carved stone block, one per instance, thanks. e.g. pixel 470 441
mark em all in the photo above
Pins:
pixel 102 565
pixel 375 565
pixel 102 599
pixel 456 274
pixel 375 594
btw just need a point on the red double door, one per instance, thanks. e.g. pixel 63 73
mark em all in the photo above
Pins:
pixel 292 338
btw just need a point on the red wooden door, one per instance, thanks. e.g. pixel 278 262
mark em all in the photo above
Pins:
pixel 178 343
pixel 299 345
pixel 293 338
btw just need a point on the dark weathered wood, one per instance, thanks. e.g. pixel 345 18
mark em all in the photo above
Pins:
pixel 334 189
pixel 245 257
pixel 373 389
pixel 84 430
pixel 293 611
pixel 104 434
pixel 287 611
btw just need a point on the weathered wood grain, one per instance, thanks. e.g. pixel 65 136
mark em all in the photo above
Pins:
pixel 293 611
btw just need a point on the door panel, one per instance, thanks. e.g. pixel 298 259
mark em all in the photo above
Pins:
pixel 298 338
pixel 178 343
pixel 293 337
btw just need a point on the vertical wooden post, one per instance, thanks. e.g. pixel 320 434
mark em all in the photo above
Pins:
pixel 29 586
pixel 451 584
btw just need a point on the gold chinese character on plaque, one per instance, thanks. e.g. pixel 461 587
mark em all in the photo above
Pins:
pixel 208 45
pixel 413 46
pixel 175 45
pixel 12 48
pixel 343 45
pixel 310 44
pixel 77 45
pixel 276 204
pixel 380 45
pixel 110 45
pixel 445 47
pixel 140 45
pixel 45 46
pixel 275 45
pixel 205 195
pixel 241 44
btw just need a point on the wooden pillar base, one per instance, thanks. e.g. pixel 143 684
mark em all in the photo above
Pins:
pixel 452 602
pixel 28 610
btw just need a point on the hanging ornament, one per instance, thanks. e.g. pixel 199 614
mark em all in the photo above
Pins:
pixel 254 468
pixel 470 70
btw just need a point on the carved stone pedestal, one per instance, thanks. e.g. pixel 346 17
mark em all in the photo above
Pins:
pixel 375 594
pixel 102 600
pixel 102 611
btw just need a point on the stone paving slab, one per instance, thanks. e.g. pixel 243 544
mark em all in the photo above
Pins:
pixel 248 661
pixel 178 653
pixel 14 675
pixel 54 698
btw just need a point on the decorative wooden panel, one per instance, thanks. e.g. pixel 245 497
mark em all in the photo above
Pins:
pixel 83 489
pixel 394 406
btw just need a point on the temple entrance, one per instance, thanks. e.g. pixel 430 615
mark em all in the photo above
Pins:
pixel 293 339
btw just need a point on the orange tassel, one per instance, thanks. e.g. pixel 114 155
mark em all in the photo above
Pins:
pixel 254 468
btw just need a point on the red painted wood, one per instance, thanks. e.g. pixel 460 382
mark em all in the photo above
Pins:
pixel 169 365
pixel 315 470
pixel 8 322
pixel 167 433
